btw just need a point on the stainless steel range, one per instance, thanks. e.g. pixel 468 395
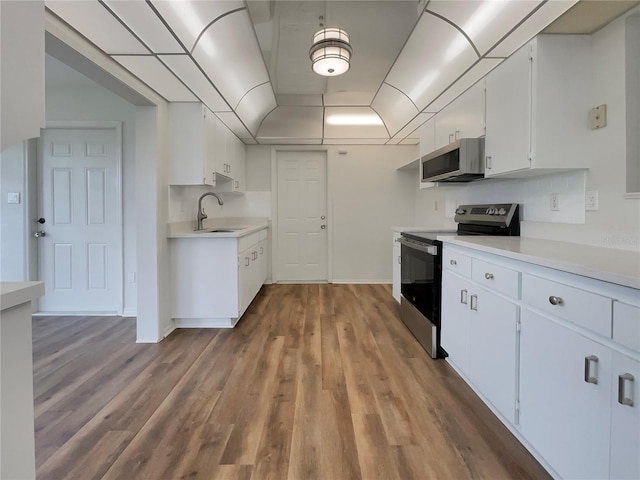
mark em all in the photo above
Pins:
pixel 421 267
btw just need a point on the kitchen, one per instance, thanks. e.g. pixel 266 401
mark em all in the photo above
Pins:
pixel 383 197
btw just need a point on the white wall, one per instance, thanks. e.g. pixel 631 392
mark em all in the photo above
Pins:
pixel 617 222
pixel 12 216
pixel 95 103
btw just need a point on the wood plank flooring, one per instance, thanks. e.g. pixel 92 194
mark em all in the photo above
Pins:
pixel 315 382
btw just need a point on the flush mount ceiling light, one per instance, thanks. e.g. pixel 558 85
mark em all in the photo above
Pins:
pixel 331 52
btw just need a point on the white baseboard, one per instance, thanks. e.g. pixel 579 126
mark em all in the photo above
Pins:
pixel 205 322
pixel 75 314
pixel 363 282
pixel 169 330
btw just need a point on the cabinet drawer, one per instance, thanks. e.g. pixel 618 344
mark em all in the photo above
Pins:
pixel 626 325
pixel 496 278
pixel 457 262
pixel 581 307
pixel 263 234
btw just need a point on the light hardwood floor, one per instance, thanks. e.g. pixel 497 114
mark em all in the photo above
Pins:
pixel 315 382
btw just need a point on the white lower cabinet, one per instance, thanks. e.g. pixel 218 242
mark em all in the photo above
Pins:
pixel 625 418
pixel 214 280
pixel 479 332
pixel 556 354
pixel 565 392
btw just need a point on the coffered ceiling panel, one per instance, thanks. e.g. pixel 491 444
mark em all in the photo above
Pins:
pixel 229 54
pixel 394 107
pixel 234 124
pixel 189 19
pixel 435 55
pixel 292 122
pixel 478 71
pixel 184 67
pixel 286 99
pixel 355 141
pixel 337 99
pixel 535 23
pixel 485 22
pixel 255 105
pixel 143 21
pixel 412 127
pixel 157 76
pixel 353 122
pixel 95 22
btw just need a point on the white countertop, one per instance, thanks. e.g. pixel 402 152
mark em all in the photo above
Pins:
pixel 422 229
pixel 621 267
pixel 241 226
pixel 17 293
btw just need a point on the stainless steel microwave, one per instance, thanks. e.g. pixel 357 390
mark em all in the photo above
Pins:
pixel 460 161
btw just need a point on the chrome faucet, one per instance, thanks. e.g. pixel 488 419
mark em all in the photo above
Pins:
pixel 201 213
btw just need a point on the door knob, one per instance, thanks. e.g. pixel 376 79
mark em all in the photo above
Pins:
pixel 323 226
pixel 41 220
pixel 322 217
pixel 39 234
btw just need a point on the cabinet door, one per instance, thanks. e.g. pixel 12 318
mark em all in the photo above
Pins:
pixel 236 158
pixel 396 267
pixel 244 280
pixel 456 294
pixel 262 252
pixel 508 115
pixel 565 418
pixel 468 111
pixel 625 418
pixel 188 144
pixel 445 126
pixel 219 148
pixel 493 344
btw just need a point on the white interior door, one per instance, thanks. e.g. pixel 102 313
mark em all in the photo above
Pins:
pixel 302 217
pixel 80 255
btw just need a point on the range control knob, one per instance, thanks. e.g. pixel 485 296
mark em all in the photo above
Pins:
pixel 460 211
pixel 502 211
pixel 491 211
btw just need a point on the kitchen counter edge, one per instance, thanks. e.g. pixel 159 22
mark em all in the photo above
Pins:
pixel 621 267
pixel 185 230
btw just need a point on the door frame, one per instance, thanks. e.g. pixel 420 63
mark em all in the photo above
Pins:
pixel 274 207
pixel 90 125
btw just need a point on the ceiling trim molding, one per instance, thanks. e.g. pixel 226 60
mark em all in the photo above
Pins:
pixel 455 25
pixel 195 44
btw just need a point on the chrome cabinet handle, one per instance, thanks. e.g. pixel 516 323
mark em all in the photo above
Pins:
pixel 237 184
pixel 622 399
pixel 246 261
pixel 487 163
pixel 587 369
pixel 488 276
pixel 456 136
pixel 463 296
pixel 474 302
pixel 451 138
pixel 555 300
pixel 453 262
pixel 399 259
pixel 261 250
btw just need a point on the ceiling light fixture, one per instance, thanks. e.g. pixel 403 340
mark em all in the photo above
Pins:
pixel 331 52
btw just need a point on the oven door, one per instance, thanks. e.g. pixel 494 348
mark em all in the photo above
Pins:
pixel 421 274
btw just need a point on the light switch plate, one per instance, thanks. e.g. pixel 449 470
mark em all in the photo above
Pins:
pixel 591 200
pixel 13 197
pixel 598 117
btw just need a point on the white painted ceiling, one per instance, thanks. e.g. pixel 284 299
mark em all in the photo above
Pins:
pixel 249 61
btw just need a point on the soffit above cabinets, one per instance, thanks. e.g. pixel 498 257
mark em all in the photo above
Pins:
pixel 248 61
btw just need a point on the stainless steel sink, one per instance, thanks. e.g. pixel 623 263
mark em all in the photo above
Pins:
pixel 220 230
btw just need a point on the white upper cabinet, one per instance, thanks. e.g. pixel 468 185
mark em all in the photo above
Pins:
pixel 536 108
pixel 203 150
pixel 462 118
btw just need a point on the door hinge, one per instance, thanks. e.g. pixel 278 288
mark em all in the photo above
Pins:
pixel 518 326
pixel 532 53
pixel 530 157
pixel 517 405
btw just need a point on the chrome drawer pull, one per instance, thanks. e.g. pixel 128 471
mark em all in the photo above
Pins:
pixel 474 302
pixel 453 262
pixel 622 399
pixel 555 300
pixel 587 369
pixel 488 276
pixel 463 296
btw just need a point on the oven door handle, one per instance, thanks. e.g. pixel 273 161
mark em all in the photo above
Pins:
pixel 430 249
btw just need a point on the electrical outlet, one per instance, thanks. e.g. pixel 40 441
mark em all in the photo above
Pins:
pixel 591 200
pixel 554 202
pixel 598 117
